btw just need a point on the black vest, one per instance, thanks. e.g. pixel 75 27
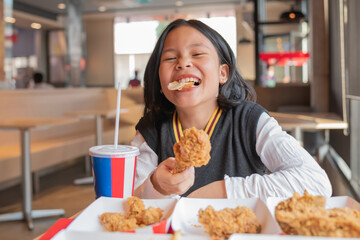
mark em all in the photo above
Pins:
pixel 232 144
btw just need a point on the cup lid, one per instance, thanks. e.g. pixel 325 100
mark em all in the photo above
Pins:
pixel 110 150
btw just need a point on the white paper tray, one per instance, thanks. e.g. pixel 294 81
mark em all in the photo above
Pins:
pixel 279 237
pixel 79 235
pixel 185 216
pixel 88 220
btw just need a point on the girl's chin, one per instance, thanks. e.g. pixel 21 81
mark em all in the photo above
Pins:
pixel 185 103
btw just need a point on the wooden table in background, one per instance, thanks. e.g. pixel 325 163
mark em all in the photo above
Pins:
pixel 24 125
pixel 296 123
pixel 99 115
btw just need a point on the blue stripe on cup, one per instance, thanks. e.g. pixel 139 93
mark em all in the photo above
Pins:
pixel 102 176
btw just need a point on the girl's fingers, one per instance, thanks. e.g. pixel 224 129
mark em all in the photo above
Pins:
pixel 168 163
pixel 185 176
pixel 166 183
pixel 186 180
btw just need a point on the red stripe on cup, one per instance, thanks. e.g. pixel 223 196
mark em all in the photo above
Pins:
pixel 117 177
pixel 132 194
pixel 160 227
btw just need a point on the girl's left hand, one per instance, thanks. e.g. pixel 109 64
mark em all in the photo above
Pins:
pixel 212 190
pixel 167 183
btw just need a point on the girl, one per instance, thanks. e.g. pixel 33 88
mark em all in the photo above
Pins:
pixel 246 142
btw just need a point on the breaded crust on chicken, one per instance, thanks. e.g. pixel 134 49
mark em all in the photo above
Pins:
pixel 193 149
pixel 307 216
pixel 137 216
pixel 221 224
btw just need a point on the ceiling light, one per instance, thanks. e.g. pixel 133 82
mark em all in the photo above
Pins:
pixel 292 15
pixel 179 3
pixel 61 6
pixel 35 25
pixel 102 9
pixel 10 20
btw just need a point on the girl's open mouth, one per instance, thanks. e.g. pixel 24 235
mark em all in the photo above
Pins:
pixel 184 83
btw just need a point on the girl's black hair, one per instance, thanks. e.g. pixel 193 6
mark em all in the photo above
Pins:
pixel 231 93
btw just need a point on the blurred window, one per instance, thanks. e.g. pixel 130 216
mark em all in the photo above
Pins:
pixel 132 49
pixel 129 37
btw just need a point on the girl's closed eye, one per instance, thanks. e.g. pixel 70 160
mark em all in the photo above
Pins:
pixel 169 58
pixel 198 54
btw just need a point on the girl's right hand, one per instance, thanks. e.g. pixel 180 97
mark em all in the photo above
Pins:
pixel 167 183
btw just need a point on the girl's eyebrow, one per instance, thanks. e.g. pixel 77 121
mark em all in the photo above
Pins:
pixel 198 45
pixel 191 46
pixel 168 50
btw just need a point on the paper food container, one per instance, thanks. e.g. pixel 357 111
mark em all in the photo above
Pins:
pixel 333 202
pixel 80 235
pixel 76 235
pixel 185 216
pixel 88 220
pixel 279 237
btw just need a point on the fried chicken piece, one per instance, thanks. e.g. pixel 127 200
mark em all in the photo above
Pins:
pixel 117 222
pixel 193 149
pixel 143 216
pixel 296 207
pixel 151 215
pixel 136 207
pixel 221 224
pixel 307 216
pixel 136 216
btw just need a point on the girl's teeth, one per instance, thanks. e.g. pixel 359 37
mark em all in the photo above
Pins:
pixel 184 80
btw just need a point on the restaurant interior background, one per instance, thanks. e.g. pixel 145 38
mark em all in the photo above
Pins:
pixel 306 62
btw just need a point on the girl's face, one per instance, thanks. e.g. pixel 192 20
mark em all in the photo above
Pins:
pixel 189 56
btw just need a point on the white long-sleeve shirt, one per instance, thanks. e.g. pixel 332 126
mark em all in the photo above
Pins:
pixel 292 168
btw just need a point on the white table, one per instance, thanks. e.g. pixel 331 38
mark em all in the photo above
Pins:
pixel 24 125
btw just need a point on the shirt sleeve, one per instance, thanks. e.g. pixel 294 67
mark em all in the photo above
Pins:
pixel 146 164
pixel 292 168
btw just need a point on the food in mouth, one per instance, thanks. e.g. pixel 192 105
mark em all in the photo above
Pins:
pixel 183 83
pixel 193 149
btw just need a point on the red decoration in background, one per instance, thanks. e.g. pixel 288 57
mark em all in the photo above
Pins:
pixel 285 58
pixel 82 64
pixel 13 38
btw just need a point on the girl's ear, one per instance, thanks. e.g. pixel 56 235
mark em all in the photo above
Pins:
pixel 224 73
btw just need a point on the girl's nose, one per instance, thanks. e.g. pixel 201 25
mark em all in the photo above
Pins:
pixel 183 63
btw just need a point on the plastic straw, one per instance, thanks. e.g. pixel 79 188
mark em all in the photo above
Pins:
pixel 117 116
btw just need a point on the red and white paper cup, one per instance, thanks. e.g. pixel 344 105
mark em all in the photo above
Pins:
pixel 114 170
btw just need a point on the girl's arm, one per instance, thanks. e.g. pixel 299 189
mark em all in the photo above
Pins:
pixel 145 165
pixel 293 168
